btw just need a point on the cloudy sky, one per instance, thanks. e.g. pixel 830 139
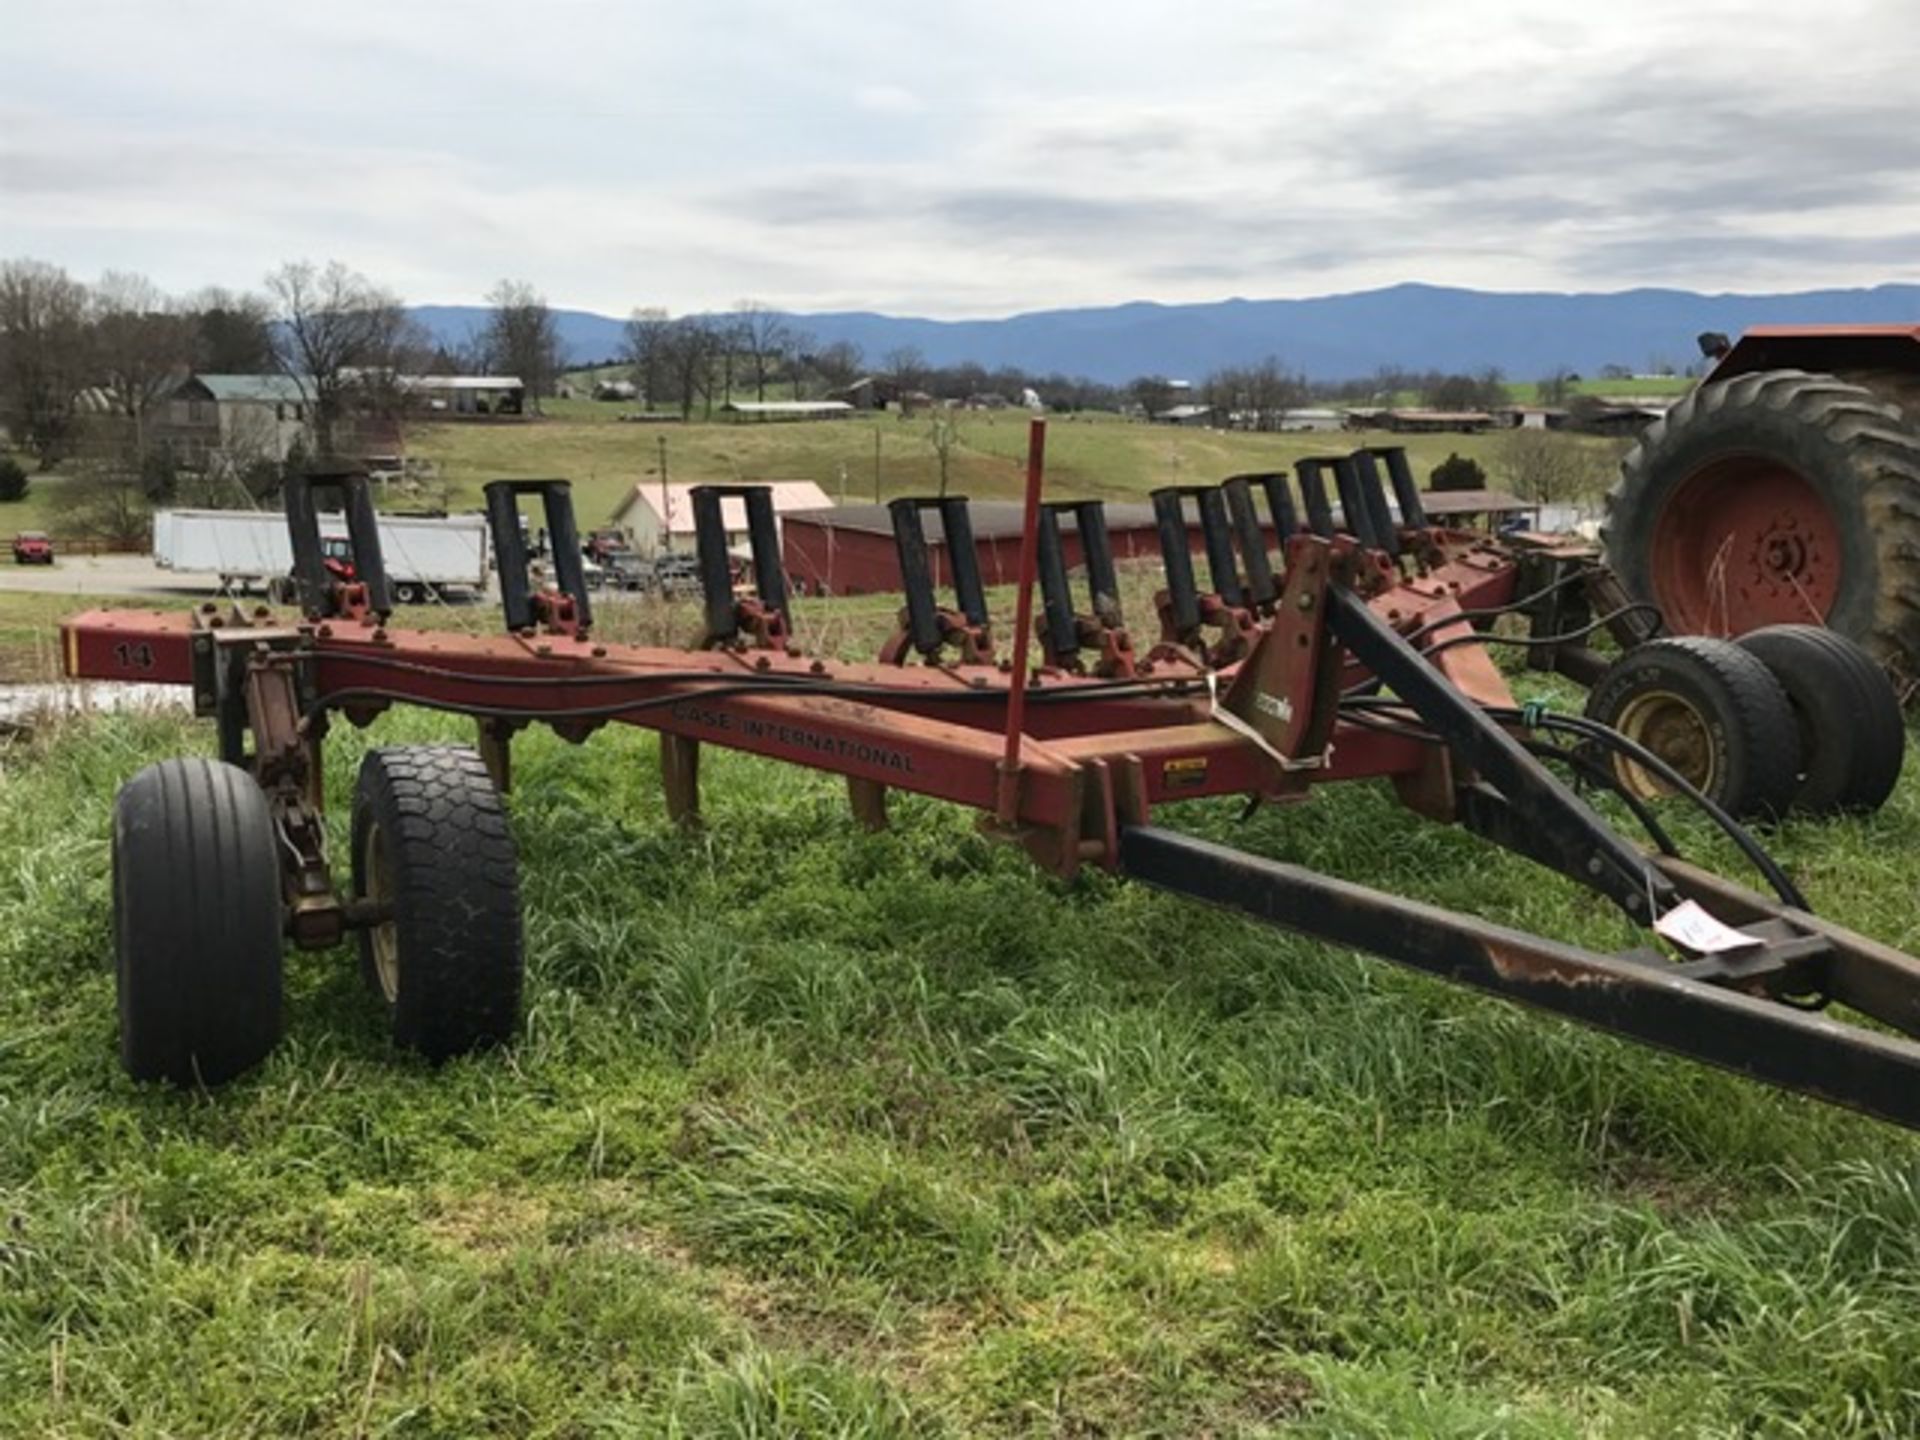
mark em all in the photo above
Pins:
pixel 965 159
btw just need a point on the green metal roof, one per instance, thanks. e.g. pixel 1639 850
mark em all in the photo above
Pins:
pixel 267 389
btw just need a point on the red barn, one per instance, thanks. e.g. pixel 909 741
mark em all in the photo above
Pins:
pixel 849 549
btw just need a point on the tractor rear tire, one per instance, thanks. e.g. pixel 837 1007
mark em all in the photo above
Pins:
pixel 1778 497
pixel 1712 712
pixel 430 839
pixel 1852 737
pixel 196 922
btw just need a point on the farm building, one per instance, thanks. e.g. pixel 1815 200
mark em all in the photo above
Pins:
pixel 244 416
pixel 466 397
pixel 849 549
pixel 1184 415
pixel 1309 420
pixel 869 392
pixel 787 410
pixel 1435 422
pixel 1531 417
pixel 1621 415
pixel 657 517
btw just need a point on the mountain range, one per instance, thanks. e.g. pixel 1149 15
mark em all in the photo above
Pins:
pixel 1410 327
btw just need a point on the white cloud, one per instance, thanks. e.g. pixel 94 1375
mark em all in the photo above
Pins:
pixel 968 160
pixel 887 100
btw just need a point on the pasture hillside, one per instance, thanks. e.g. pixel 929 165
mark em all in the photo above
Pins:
pixel 1099 456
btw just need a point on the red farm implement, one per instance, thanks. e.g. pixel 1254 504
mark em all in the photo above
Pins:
pixel 1355 647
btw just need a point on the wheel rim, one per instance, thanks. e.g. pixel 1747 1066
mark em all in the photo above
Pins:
pixel 1742 542
pixel 1673 729
pixel 385 936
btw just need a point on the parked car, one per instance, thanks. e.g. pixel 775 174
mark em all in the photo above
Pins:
pixel 601 544
pixel 32 547
pixel 674 575
pixel 625 570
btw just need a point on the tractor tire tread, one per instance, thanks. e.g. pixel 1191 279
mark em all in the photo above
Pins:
pixel 197 923
pixel 1883 453
pixel 1762 747
pixel 1859 739
pixel 456 896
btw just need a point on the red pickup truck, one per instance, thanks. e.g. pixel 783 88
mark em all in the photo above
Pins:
pixel 32 547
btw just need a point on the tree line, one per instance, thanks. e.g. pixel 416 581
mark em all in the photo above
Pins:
pixel 696 362
pixel 78 357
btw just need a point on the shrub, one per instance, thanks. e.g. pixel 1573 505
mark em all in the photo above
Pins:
pixel 13 479
pixel 1457 472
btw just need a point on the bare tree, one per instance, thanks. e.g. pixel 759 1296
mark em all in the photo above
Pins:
pixel 728 341
pixel 1546 467
pixel 43 356
pixel 1467 392
pixel 140 340
pixel 105 501
pixel 943 434
pixel 338 334
pixel 692 349
pixel 837 364
pixel 1555 387
pixel 648 332
pixel 794 362
pixel 1257 396
pixel 235 332
pixel 522 338
pixel 1152 393
pixel 765 339
pixel 905 366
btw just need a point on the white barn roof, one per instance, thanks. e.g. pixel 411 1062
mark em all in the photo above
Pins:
pixel 787 495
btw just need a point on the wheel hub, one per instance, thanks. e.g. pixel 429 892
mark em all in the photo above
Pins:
pixel 385 936
pixel 1674 730
pixel 1744 542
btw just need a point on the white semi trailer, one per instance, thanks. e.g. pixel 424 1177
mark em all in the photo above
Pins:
pixel 425 555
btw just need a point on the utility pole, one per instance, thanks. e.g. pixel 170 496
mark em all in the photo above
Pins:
pixel 876 464
pixel 666 504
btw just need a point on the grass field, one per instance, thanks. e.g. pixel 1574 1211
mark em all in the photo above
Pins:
pixel 810 1132
pixel 37 510
pixel 1090 455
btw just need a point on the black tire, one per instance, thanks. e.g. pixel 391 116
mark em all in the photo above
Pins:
pixel 1852 738
pixel 196 923
pixel 1845 442
pixel 430 835
pixel 406 592
pixel 1710 710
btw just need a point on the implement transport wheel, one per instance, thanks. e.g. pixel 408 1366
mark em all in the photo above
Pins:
pixel 196 922
pixel 1712 712
pixel 431 843
pixel 1777 497
pixel 1852 739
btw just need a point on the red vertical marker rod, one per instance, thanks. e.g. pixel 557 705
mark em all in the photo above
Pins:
pixel 1008 809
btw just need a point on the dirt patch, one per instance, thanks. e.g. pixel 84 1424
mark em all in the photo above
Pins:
pixel 488 1222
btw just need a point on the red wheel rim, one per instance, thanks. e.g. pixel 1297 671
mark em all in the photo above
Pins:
pixel 1744 542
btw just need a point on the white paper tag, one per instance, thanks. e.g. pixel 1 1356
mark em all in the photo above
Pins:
pixel 1692 928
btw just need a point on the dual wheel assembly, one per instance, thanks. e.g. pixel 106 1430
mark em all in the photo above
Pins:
pixel 1785 719
pixel 198 911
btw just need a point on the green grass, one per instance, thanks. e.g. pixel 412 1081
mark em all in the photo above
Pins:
pixel 30 632
pixel 811 1132
pixel 38 509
